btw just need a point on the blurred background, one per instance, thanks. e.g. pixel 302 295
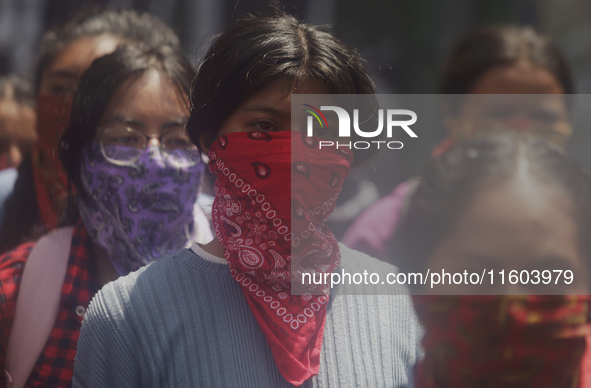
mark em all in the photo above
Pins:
pixel 403 41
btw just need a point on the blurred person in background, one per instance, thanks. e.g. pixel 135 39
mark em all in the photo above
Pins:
pixel 492 60
pixel 224 314
pixel 17 130
pixel 137 174
pixel 502 202
pixel 17 120
pixel 40 192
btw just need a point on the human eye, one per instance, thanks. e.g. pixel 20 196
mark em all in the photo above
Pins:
pixel 122 137
pixel 177 140
pixel 126 140
pixel 545 116
pixel 264 126
pixel 324 132
pixel 60 87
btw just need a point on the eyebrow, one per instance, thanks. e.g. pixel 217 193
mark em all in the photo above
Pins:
pixel 124 120
pixel 119 119
pixel 179 122
pixel 66 73
pixel 265 109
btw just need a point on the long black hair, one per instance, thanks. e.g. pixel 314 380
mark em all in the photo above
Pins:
pixel 99 83
pixel 258 51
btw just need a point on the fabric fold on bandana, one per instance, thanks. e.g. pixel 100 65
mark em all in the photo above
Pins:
pixel 142 212
pixel 502 341
pixel 271 189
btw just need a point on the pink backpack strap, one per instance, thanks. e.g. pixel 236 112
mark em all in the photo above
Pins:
pixel 37 305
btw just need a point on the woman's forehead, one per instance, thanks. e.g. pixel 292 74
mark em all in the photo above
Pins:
pixel 278 95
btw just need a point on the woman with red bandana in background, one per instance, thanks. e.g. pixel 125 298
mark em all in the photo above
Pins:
pixel 138 178
pixel 223 314
pixel 17 130
pixel 490 61
pixel 40 193
pixel 503 202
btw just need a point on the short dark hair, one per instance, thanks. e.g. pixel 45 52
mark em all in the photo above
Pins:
pixel 18 88
pixel 450 180
pixel 127 24
pixel 98 85
pixel 490 46
pixel 258 51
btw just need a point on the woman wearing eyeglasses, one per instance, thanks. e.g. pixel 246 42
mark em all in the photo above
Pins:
pixel 138 178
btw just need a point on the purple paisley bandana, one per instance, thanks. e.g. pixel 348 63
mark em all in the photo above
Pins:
pixel 139 213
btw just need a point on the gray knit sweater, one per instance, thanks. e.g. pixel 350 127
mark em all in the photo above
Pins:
pixel 183 321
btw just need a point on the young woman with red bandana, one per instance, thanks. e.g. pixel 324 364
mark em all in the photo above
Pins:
pixel 492 60
pixel 223 314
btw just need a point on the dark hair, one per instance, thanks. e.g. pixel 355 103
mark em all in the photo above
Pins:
pixel 487 47
pixel 258 51
pixel 18 89
pixel 22 212
pixel 127 24
pixel 450 180
pixel 98 85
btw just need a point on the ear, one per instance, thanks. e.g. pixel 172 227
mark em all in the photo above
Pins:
pixel 202 146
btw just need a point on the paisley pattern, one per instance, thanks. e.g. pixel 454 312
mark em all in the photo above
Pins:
pixel 261 170
pixel 267 249
pixel 259 136
pixel 302 168
pixel 140 213
pixel 50 179
pixel 502 341
pixel 308 141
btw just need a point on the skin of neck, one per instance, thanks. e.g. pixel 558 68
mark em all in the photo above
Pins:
pixel 104 268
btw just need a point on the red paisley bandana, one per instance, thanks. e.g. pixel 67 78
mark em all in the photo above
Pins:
pixel 502 341
pixel 256 194
pixel 51 181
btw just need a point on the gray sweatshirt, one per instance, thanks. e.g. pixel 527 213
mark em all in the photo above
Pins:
pixel 183 321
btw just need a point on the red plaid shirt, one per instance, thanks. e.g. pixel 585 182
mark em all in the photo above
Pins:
pixel 55 366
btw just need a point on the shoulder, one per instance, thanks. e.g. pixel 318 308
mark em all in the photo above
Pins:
pixel 134 295
pixel 11 270
pixel 356 261
pixel 370 297
pixel 135 322
pixel 16 256
pixel 373 317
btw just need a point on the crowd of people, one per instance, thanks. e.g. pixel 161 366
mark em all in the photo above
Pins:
pixel 115 271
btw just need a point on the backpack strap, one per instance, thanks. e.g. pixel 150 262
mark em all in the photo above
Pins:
pixel 37 305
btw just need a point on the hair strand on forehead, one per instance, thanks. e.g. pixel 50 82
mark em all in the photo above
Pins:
pixel 257 52
pixel 98 86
